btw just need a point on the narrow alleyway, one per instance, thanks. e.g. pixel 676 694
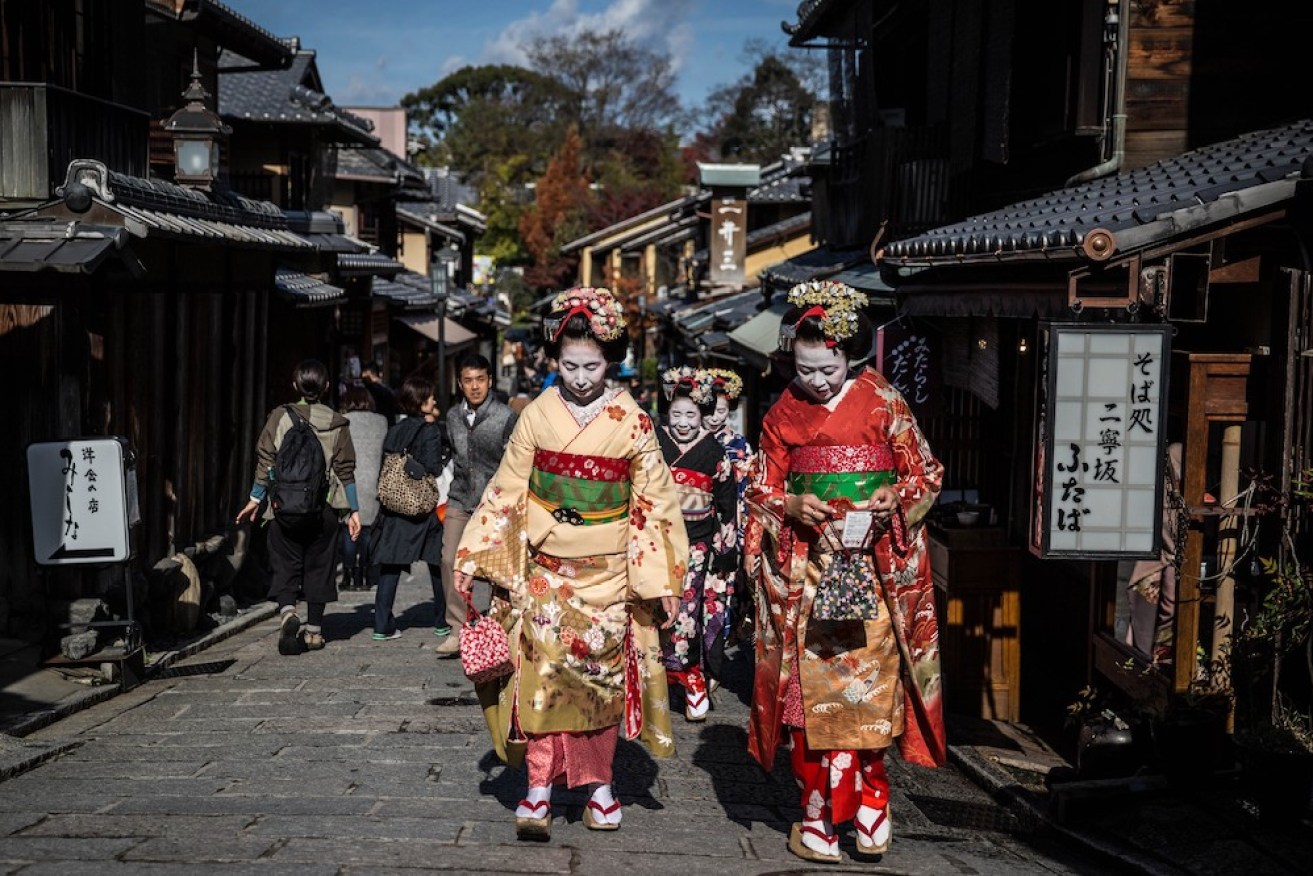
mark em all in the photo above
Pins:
pixel 370 756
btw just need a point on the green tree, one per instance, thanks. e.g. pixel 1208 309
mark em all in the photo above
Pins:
pixel 767 111
pixel 612 83
pixel 477 117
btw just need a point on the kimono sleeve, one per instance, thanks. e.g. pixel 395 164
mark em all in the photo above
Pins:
pixel 766 492
pixel 658 543
pixel 725 498
pixel 919 472
pixel 494 545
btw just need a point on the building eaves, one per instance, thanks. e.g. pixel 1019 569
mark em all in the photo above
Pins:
pixel 674 209
pixel 46 245
pixel 1136 208
pixel 810 14
pixel 229 28
pixel 769 233
pixel 302 290
pixel 287 97
pixel 427 222
pixel 368 264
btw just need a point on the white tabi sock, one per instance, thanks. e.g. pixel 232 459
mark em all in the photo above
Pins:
pixel 535 795
pixel 603 797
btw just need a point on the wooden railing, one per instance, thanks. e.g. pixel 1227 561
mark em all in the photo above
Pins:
pixel 895 174
pixel 44 127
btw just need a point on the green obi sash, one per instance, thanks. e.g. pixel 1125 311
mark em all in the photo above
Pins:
pixel 580 490
pixel 841 472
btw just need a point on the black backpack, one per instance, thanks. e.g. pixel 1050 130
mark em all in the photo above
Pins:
pixel 299 489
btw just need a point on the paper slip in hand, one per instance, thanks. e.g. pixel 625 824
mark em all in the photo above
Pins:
pixel 856 526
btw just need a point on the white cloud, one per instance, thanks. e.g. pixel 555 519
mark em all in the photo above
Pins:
pixel 661 25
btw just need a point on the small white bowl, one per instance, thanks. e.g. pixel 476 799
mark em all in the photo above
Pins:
pixel 968 518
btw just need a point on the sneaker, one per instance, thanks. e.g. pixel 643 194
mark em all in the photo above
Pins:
pixel 448 647
pixel 387 637
pixel 442 631
pixel 289 639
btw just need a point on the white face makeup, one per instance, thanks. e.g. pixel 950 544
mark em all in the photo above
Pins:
pixel 583 370
pixel 721 414
pixel 821 370
pixel 684 420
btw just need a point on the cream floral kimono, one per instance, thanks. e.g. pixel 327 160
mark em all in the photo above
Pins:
pixel 578 530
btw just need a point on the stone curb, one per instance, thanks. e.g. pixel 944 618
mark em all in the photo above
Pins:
pixel 1002 787
pixel 44 718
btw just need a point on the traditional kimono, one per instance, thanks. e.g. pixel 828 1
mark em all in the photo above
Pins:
pixel 739 453
pixel 704 480
pixel 851 687
pixel 579 527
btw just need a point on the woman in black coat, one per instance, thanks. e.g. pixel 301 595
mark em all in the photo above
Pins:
pixel 399 541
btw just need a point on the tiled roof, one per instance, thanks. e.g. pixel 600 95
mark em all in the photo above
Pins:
pixel 783 181
pixel 810 13
pixel 368 264
pixel 305 291
pixel 175 211
pixel 1140 207
pixel 447 188
pixel 814 264
pixel 767 233
pixel 53 246
pixel 416 214
pixel 442 217
pixel 408 289
pixel 377 163
pixel 286 97
pixel 229 28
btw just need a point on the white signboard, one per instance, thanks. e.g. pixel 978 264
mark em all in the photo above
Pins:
pixel 81 501
pixel 1103 456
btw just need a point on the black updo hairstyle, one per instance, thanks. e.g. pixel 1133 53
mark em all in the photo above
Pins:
pixel 684 389
pixel 733 400
pixel 577 328
pixel 857 348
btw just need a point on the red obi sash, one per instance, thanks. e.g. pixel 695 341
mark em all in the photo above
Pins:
pixel 694 488
pixel 824 459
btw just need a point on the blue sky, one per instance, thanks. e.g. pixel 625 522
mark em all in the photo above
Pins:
pixel 371 52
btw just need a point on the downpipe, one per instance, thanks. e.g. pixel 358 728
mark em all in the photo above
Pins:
pixel 1117 18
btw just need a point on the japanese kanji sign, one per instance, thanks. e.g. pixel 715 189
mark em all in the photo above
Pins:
pixel 909 359
pixel 729 240
pixel 1103 448
pixel 81 501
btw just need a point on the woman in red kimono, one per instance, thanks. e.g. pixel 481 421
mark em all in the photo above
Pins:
pixel 841 440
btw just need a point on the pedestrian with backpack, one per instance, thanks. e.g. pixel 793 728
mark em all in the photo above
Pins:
pixel 305 469
pixel 407 530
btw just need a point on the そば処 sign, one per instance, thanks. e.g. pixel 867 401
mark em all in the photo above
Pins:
pixel 1102 447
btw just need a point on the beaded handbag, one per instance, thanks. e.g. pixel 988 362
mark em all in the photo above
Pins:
pixel 485 650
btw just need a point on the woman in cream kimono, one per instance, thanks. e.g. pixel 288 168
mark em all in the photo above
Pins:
pixel 580 532
pixel 841 439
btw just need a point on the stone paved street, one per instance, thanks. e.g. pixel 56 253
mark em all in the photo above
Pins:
pixel 371 756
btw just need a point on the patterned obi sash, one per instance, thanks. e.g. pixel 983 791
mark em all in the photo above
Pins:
pixel 851 472
pixel 694 490
pixel 580 490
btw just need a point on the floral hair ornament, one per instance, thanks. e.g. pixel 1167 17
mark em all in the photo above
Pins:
pixel 726 381
pixel 838 306
pixel 605 314
pixel 700 384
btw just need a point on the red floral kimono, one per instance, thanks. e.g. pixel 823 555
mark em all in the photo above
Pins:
pixel 848 700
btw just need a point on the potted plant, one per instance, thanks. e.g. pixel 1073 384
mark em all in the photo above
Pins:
pixel 1271 664
pixel 1106 746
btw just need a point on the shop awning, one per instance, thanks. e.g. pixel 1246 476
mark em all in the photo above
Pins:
pixel 305 291
pixel 453 333
pixel 759 338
